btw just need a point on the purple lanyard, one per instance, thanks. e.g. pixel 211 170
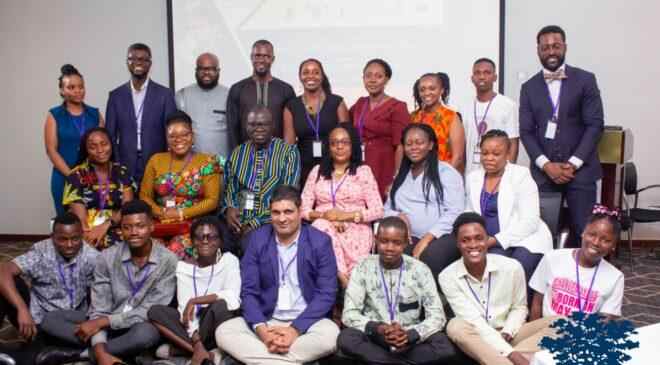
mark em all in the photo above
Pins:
pixel 285 269
pixel 104 188
pixel 170 176
pixel 333 191
pixel 252 180
pixel 476 297
pixel 208 285
pixel 80 126
pixel 391 302
pixel 482 125
pixel 361 119
pixel 555 107
pixel 316 127
pixel 135 288
pixel 577 275
pixel 70 290
pixel 485 197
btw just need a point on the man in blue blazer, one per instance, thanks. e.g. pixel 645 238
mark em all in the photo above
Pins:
pixel 289 284
pixel 136 112
pixel 561 121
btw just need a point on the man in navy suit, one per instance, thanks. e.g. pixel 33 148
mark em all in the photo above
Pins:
pixel 561 121
pixel 136 112
pixel 289 284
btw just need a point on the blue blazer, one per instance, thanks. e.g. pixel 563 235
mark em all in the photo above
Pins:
pixel 317 274
pixel 579 127
pixel 122 125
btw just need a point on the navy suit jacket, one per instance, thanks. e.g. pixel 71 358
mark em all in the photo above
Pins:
pixel 317 275
pixel 579 127
pixel 122 125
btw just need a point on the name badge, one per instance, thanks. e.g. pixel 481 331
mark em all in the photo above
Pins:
pixel 363 153
pixel 248 200
pixel 476 156
pixel 283 299
pixel 98 220
pixel 317 150
pixel 127 308
pixel 170 203
pixel 551 130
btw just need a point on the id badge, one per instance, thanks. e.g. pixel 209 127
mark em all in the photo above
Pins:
pixel 363 152
pixel 476 156
pixel 248 200
pixel 283 300
pixel 317 150
pixel 551 130
pixel 127 308
pixel 99 219
pixel 170 203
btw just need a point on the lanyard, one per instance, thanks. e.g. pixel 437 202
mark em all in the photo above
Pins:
pixel 555 106
pixel 316 126
pixel 391 302
pixel 577 275
pixel 170 176
pixel 482 125
pixel 208 285
pixel 70 290
pixel 476 297
pixel 135 287
pixel 285 269
pixel 363 115
pixel 333 191
pixel 104 188
pixel 486 196
pixel 79 123
pixel 257 165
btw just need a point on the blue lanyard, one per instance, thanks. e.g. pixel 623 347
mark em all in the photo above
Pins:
pixel 333 191
pixel 391 302
pixel 577 276
pixel 208 285
pixel 316 127
pixel 135 287
pixel 476 297
pixel 555 106
pixel 70 290
pixel 482 125
pixel 104 188
pixel 284 270
pixel 485 196
pixel 253 164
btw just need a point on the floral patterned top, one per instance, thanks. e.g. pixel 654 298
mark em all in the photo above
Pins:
pixel 440 119
pixel 193 184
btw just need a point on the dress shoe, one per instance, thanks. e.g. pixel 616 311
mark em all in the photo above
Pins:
pixel 57 356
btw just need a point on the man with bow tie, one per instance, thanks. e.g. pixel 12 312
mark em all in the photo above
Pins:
pixel 561 121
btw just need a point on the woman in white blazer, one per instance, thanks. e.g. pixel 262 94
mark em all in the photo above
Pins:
pixel 506 195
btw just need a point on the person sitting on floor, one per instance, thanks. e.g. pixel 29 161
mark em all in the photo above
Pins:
pixel 384 319
pixel 208 293
pixel 487 292
pixel 130 277
pixel 288 287
pixel 556 281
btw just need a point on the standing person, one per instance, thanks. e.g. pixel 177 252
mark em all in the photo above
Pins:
pixel 206 103
pixel 487 111
pixel 65 126
pixel 261 88
pixel 383 316
pixel 341 198
pixel 288 287
pixel 136 113
pixel 309 118
pixel 561 121
pixel 446 123
pixel 380 120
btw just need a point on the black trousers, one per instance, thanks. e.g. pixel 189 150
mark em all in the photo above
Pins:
pixel 439 254
pixel 7 309
pixel 210 318
pixel 437 349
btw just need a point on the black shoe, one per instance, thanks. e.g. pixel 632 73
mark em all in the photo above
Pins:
pixel 57 356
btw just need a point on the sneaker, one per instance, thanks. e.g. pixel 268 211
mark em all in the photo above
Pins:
pixel 163 351
pixel 217 356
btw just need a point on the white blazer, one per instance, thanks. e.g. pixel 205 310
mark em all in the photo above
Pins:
pixel 518 208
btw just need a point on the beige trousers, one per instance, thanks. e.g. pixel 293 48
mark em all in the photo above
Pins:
pixel 236 338
pixel 466 337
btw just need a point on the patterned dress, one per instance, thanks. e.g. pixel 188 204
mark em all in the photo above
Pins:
pixel 357 192
pixel 100 199
pixel 192 184
pixel 440 119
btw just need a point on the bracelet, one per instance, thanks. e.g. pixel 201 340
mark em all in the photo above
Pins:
pixel 357 217
pixel 180 213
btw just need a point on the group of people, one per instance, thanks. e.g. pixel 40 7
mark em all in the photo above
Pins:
pixel 396 211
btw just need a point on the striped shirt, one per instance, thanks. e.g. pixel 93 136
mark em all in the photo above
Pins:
pixel 259 172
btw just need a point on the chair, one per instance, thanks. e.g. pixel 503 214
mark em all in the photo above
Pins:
pixel 551 203
pixel 632 215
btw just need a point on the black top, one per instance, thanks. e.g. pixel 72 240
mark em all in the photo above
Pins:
pixel 306 136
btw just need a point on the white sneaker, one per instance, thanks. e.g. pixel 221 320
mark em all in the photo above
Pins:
pixel 163 351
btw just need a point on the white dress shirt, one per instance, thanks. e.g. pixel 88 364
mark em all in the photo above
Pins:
pixel 139 96
pixel 290 301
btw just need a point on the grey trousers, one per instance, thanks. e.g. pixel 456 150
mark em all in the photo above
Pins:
pixel 121 343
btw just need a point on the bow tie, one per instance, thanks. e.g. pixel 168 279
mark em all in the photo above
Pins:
pixel 557 75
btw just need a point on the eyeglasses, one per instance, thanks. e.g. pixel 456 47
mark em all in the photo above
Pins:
pixel 211 237
pixel 340 142
pixel 208 69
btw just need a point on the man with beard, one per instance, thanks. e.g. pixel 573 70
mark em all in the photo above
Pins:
pixel 206 103
pixel 136 112
pixel 259 89
pixel 561 121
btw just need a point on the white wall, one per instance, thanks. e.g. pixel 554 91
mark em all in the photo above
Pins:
pixel 36 38
pixel 615 40
pixel 611 38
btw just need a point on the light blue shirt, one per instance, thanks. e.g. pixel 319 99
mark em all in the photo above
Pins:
pixel 290 301
pixel 139 97
pixel 430 217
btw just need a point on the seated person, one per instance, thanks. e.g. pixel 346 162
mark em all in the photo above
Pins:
pixel 506 195
pixel 564 275
pixel 488 295
pixel 384 302
pixel 96 189
pixel 342 199
pixel 254 170
pixel 208 293
pixel 288 287
pixel 181 184
pixel 428 195
pixel 130 277
pixel 60 270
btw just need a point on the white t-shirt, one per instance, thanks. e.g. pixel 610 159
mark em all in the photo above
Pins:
pixel 225 283
pixel 502 114
pixel 555 278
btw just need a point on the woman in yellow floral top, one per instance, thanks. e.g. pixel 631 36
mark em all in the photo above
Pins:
pixel 181 184
pixel 445 122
